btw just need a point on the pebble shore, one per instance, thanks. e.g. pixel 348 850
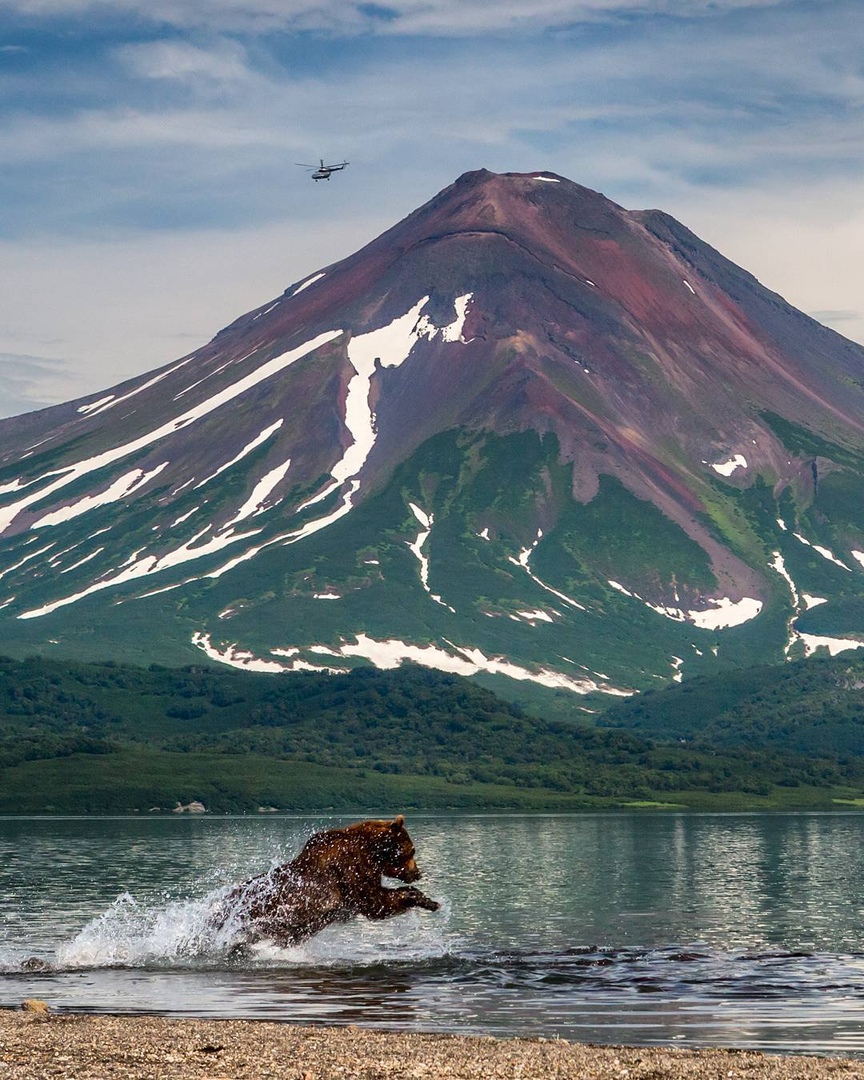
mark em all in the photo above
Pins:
pixel 36 1044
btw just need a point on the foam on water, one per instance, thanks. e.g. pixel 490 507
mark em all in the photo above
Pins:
pixel 132 934
pixel 705 930
pixel 182 933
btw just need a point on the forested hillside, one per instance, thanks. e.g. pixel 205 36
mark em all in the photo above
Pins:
pixel 814 707
pixel 99 737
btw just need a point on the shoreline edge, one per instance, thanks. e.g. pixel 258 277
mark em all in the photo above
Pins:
pixel 37 1043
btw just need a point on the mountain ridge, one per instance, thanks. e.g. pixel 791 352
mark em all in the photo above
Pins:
pixel 621 433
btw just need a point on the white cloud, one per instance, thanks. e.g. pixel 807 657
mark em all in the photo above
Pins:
pixel 32 382
pixel 149 194
pixel 23 139
pixel 804 242
pixel 181 60
pixel 433 17
pixel 453 17
pixel 103 311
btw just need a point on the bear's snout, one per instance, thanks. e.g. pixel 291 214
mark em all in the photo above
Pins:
pixel 409 873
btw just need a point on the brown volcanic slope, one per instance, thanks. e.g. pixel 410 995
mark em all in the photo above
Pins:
pixel 514 302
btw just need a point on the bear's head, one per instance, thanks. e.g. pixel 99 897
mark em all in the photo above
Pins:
pixel 392 848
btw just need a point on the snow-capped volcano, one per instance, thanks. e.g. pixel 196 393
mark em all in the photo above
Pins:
pixel 525 432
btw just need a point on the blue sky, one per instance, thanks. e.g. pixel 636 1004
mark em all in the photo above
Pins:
pixel 148 193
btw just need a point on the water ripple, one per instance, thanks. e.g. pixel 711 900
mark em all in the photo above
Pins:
pixel 727 930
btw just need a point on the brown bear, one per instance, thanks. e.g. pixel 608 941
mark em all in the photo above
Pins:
pixel 336 876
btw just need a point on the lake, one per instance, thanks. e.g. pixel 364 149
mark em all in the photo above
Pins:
pixel 688 929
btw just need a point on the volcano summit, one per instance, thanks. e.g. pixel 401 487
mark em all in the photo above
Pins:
pixel 524 433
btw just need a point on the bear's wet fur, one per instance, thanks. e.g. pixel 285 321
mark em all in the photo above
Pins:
pixel 336 876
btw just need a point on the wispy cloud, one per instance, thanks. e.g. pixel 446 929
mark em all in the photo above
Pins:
pixel 95 312
pixel 832 316
pixel 224 62
pixel 722 103
pixel 32 382
pixel 435 17
pixel 148 131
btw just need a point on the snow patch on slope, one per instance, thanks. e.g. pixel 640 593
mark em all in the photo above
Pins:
pixel 811 642
pixel 111 401
pixel 390 653
pixel 136 568
pixel 95 404
pixel 81 562
pixel 725 613
pixel 726 468
pixel 309 281
pixel 534 617
pixel 260 438
pixel 721 615
pixel 255 504
pixel 122 486
pixel 247 661
pixel 184 517
pixel 267 310
pixel 234 657
pixel 523 561
pixel 416 547
pixel 16 485
pixel 778 564
pixel 453 331
pixel 389 346
pixel 83 468
pixel 26 559
pixel 826 553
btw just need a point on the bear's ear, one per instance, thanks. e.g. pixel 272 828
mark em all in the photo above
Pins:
pixel 398 822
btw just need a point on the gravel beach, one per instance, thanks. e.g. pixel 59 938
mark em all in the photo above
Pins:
pixel 35 1043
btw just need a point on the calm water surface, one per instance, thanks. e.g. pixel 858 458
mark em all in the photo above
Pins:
pixel 738 929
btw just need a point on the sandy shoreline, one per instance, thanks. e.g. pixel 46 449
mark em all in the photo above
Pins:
pixel 34 1046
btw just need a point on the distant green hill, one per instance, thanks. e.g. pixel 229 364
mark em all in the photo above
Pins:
pixel 813 707
pixel 105 737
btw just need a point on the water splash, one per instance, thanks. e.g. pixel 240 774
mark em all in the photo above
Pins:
pixel 184 933
pixel 130 934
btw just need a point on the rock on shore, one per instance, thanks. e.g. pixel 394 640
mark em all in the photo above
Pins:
pixel 37 1045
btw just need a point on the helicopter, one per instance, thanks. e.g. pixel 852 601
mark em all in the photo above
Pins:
pixel 322 171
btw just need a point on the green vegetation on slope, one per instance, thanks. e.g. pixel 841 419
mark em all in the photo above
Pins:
pixel 101 737
pixel 491 496
pixel 813 707
pixel 619 535
pixel 800 440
